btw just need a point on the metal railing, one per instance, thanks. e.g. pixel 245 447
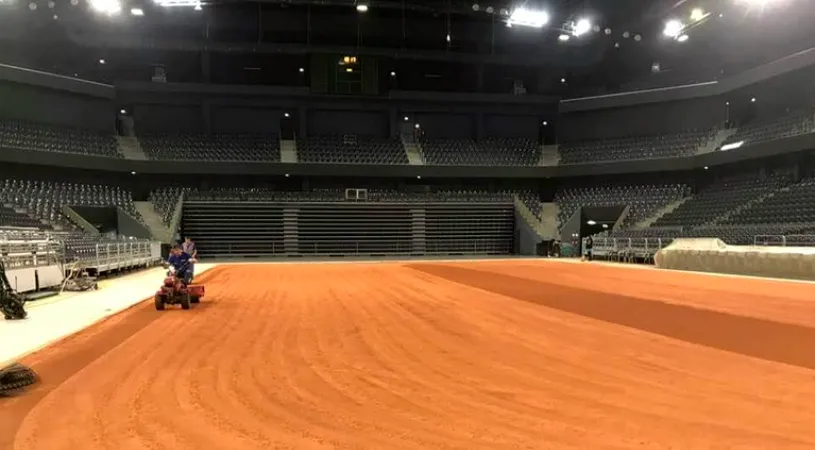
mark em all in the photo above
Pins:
pixel 120 255
pixel 627 248
pixel 22 254
pixel 789 240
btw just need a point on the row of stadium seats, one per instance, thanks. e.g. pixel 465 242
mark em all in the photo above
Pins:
pixel 11 218
pixel 350 149
pixel 635 147
pixel 45 199
pixel 164 201
pixel 769 128
pixel 338 195
pixel 489 152
pixel 721 197
pixel 643 200
pixel 51 138
pixel 218 147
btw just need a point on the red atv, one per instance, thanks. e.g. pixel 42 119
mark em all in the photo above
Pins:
pixel 175 292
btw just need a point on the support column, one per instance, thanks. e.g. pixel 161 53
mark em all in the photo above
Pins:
pixel 418 231
pixel 291 237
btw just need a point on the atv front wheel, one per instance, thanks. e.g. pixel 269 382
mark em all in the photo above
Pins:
pixel 185 301
pixel 159 303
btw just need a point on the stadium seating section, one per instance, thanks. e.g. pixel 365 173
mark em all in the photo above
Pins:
pixel 489 152
pixel 643 200
pixel 164 201
pixel 635 147
pixel 11 218
pixel 41 137
pixel 217 147
pixel 334 195
pixel 775 127
pixel 351 149
pixel 45 200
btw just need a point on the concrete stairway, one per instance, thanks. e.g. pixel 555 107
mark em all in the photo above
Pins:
pixel 618 224
pixel 716 141
pixel 742 207
pixel 414 153
pixel 550 155
pixel 130 147
pixel 152 219
pixel 544 230
pixel 549 214
pixel 667 209
pixel 288 151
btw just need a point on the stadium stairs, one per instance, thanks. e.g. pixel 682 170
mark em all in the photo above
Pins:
pixel 618 224
pixel 130 148
pixel 545 229
pixel 716 141
pixel 550 155
pixel 756 201
pixel 288 151
pixel 158 230
pixel 667 209
pixel 414 153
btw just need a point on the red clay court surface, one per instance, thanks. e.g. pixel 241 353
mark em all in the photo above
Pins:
pixel 490 355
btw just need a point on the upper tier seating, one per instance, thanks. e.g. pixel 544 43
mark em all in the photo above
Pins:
pixel 351 149
pixel 720 198
pixel 644 200
pixel 635 147
pixel 45 199
pixel 730 234
pixel 775 127
pixel 218 147
pixel 791 205
pixel 52 138
pixel 489 152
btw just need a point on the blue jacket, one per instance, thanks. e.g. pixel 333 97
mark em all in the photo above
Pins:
pixel 178 261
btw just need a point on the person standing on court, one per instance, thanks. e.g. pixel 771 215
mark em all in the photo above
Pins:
pixel 188 247
pixel 589 245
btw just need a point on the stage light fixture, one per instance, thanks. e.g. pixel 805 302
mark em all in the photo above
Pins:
pixel 362 6
pixel 581 27
pixel 673 28
pixel 393 74
pixel 102 61
pixel 563 37
pixel 122 111
pixel 109 7
pixel 753 100
pixel 528 18
pixel 406 118
pixel 682 38
pixel 286 115
pixel 136 12
pixel 591 222
pixel 301 70
pixel 697 14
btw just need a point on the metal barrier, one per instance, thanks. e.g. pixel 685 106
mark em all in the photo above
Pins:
pixel 122 255
pixel 789 240
pixel 627 249
pixel 23 254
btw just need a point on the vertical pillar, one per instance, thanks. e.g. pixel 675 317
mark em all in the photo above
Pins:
pixel 291 235
pixel 418 231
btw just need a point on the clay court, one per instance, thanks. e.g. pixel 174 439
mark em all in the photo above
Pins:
pixel 486 355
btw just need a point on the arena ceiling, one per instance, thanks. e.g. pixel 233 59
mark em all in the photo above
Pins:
pixel 624 42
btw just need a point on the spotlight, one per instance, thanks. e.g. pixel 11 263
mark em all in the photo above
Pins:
pixel 393 74
pixel 528 18
pixel 683 38
pixel 301 70
pixel 562 80
pixel 476 7
pixel 563 37
pixel 285 114
pixel 706 167
pixel 697 14
pixel 637 37
pixel 607 31
pixel 673 28
pixel 109 7
pixel 753 100
pixel 136 12
pixel 545 123
pixel 362 6
pixel 102 61
pixel 32 6
pixel 133 172
pixel 591 222
pixel 123 111
pixel 417 126
pixel 406 118
pixel 582 27
pixel 286 175
pixel 605 225
pixel 197 7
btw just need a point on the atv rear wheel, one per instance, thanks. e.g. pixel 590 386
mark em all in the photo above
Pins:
pixel 159 303
pixel 185 301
